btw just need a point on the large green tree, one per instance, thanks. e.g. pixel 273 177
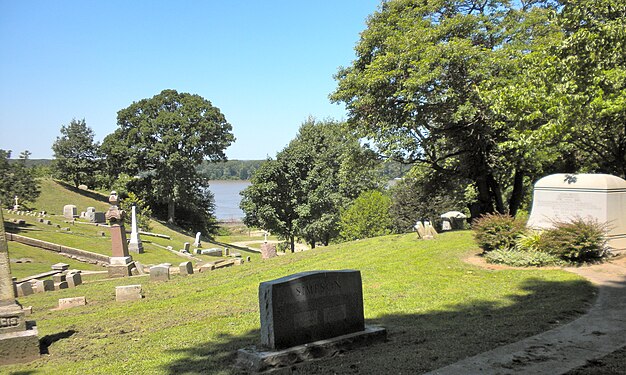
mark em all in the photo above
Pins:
pixel 301 192
pixel 591 76
pixel 417 88
pixel 16 180
pixel 76 155
pixel 367 216
pixel 163 140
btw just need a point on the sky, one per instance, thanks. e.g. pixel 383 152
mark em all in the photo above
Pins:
pixel 267 65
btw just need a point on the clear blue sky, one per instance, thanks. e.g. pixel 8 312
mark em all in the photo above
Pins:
pixel 267 65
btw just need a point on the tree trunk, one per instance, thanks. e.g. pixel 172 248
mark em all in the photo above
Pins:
pixel 292 243
pixel 518 192
pixel 171 207
pixel 496 193
pixel 484 204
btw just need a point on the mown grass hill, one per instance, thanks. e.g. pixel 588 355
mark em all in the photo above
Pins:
pixel 436 307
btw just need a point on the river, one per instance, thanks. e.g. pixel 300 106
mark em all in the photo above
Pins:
pixel 227 198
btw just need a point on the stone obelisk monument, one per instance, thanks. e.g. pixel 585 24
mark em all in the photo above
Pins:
pixel 18 337
pixel 135 244
pixel 120 262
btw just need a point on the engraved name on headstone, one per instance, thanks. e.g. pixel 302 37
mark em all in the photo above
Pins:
pixel 310 306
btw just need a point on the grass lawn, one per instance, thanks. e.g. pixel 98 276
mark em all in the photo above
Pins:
pixel 41 261
pixel 55 195
pixel 436 308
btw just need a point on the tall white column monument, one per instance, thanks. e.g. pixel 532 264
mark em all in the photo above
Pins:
pixel 135 244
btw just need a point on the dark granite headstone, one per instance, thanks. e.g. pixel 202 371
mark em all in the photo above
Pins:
pixel 310 306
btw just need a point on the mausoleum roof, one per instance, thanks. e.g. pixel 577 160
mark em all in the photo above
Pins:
pixel 581 181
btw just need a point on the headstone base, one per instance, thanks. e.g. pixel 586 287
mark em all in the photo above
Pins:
pixel 18 341
pixel 259 360
pixel 136 248
pixel 118 270
pixel 19 347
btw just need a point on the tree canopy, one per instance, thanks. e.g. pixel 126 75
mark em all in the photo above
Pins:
pixel 301 192
pixel 76 155
pixel 163 140
pixel 418 87
pixel 16 180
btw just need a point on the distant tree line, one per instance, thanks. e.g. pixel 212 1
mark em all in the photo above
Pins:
pixel 230 169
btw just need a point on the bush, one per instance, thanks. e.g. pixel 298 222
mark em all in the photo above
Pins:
pixel 529 241
pixel 495 231
pixel 368 216
pixel 578 240
pixel 518 258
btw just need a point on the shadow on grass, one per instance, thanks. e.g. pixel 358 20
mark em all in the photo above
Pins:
pixel 46 341
pixel 421 342
pixel 86 193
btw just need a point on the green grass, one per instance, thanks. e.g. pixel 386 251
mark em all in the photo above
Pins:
pixel 437 310
pixel 55 195
pixel 41 261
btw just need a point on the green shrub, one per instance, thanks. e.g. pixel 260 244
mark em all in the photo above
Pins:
pixel 578 240
pixel 518 258
pixel 529 241
pixel 495 231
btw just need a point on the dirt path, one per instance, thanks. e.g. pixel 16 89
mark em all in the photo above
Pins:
pixel 594 335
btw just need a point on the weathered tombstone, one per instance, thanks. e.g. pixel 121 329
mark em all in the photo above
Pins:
pixel 238 261
pixel 59 278
pixel 160 272
pixel 226 251
pixel 430 230
pixel 419 228
pixel 99 218
pixel 24 289
pixel 310 306
pixel 186 246
pixel 268 250
pixel 69 211
pixel 68 303
pixel 212 252
pixel 60 285
pixel 18 338
pixel 89 213
pixel 83 187
pixel 135 244
pixel 197 241
pixel 44 286
pixel 128 293
pixel 120 262
pixel 445 225
pixel 563 197
pixel 248 259
pixel 74 279
pixel 139 268
pixel 305 314
pixel 186 268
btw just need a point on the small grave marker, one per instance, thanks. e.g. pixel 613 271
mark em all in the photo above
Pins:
pixel 128 293
pixel 68 303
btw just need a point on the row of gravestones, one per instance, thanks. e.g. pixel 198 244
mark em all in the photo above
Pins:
pixel 161 272
pixel 67 279
pixel 70 212
pixel 28 213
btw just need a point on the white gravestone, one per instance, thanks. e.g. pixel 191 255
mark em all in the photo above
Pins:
pixel 563 197
pixel 135 244
pixel 197 242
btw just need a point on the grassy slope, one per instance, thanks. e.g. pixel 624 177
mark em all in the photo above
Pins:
pixel 436 308
pixel 54 196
